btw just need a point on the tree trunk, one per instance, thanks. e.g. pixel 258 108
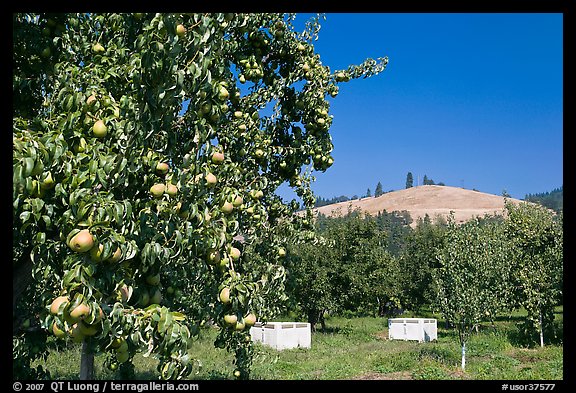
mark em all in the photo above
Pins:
pixel 322 321
pixel 381 308
pixel 493 325
pixel 463 356
pixel 21 275
pixel 312 319
pixel 541 331
pixel 86 362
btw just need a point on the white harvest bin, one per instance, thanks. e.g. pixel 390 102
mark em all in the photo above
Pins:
pixel 419 329
pixel 282 335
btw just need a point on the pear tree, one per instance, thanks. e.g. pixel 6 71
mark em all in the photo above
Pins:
pixel 536 239
pixel 472 279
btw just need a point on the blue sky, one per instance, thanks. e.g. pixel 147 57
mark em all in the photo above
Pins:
pixel 471 100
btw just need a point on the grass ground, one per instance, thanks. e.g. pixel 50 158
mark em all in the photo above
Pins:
pixel 358 348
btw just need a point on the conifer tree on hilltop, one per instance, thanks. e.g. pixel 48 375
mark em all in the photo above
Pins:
pixel 409 180
pixel 378 191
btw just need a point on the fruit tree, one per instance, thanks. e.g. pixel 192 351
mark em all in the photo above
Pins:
pixel 536 239
pixel 472 275
pixel 147 149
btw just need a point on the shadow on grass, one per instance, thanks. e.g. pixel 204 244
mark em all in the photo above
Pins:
pixel 104 374
pixel 142 375
pixel 216 375
pixel 521 337
pixel 510 318
pixel 450 335
pixel 128 371
pixel 330 330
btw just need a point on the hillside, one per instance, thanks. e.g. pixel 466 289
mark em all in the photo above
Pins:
pixel 419 201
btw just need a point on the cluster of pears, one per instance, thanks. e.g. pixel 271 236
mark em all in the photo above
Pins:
pixel 99 127
pixel 222 260
pixel 83 242
pixel 159 189
pixel 78 319
pixel 251 71
pixel 231 318
pixel 152 294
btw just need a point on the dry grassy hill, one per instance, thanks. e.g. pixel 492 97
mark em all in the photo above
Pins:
pixel 432 200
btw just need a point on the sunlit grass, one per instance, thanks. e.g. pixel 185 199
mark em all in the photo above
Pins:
pixel 359 348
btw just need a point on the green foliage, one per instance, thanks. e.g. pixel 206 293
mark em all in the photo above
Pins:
pixel 551 199
pixel 100 100
pixel 395 227
pixel 347 269
pixel 536 240
pixel 324 201
pixel 30 346
pixel 417 261
pixel 473 274
pixel 309 279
